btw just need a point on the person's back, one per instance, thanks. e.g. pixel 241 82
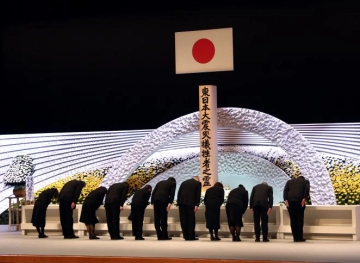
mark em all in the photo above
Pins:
pixel 116 194
pixel 68 198
pixel 236 206
pixel 139 203
pixel 261 202
pixel 38 218
pixel 141 197
pixel 162 198
pixel 71 190
pixel 47 195
pixel 97 196
pixel 189 193
pixel 164 191
pixel 188 201
pixel 214 196
pixel 213 199
pixel 296 189
pixel 114 202
pixel 261 195
pixel 238 196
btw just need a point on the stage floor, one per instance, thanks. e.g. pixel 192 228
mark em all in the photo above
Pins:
pixel 13 243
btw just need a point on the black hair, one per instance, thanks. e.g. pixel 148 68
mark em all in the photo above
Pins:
pixel 56 192
pixel 149 187
pixel 218 184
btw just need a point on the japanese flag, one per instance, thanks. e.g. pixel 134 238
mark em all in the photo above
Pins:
pixel 204 51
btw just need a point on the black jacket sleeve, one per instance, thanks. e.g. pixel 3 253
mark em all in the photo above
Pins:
pixel 77 193
pixel 271 197
pixel 123 195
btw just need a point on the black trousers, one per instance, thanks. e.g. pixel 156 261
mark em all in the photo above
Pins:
pixel 137 213
pixel 160 219
pixel 187 221
pixel 113 219
pixel 296 212
pixel 261 220
pixel 66 218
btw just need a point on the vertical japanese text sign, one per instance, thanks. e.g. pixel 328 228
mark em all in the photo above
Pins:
pixel 208 135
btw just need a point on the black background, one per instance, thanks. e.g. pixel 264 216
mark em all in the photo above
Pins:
pixel 69 67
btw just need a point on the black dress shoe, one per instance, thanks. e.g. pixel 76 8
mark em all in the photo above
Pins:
pixel 139 238
pixel 42 236
pixel 117 238
pixel 217 238
pixel 301 240
pixel 257 240
pixel 165 238
pixel 70 237
pixel 192 239
pixel 266 240
pixel 94 237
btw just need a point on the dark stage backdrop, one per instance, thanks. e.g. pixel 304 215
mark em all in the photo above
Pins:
pixel 96 67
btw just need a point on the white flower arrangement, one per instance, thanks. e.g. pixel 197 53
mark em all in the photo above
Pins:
pixel 21 167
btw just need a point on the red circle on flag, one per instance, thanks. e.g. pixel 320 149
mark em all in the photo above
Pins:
pixel 203 51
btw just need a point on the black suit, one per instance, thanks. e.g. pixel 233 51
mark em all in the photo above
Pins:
pixel 162 195
pixel 138 205
pixel 69 194
pixel 115 197
pixel 188 197
pixel 261 199
pixel 295 191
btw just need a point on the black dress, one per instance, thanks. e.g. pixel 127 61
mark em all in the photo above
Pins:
pixel 214 197
pixel 38 218
pixel 92 203
pixel 236 206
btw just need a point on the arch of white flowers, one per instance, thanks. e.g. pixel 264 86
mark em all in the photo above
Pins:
pixel 271 128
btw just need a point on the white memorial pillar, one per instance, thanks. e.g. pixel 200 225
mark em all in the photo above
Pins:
pixel 208 136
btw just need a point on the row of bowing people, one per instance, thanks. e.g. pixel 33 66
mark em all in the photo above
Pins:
pixel 162 198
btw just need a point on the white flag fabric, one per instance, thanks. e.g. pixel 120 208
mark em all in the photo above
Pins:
pixel 204 51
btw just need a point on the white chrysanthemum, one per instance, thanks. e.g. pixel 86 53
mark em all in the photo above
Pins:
pixel 20 167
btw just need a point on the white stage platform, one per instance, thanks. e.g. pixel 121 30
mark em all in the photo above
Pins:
pixel 332 231
pixel 277 250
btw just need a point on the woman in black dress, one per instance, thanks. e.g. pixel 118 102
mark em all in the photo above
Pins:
pixel 38 218
pixel 236 205
pixel 214 197
pixel 88 212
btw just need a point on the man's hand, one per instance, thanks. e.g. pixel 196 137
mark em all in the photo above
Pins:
pixel 196 208
pixel 168 207
pixel 268 211
pixel 286 203
pixel 252 210
pixel 121 208
pixel 303 202
pixel 73 205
